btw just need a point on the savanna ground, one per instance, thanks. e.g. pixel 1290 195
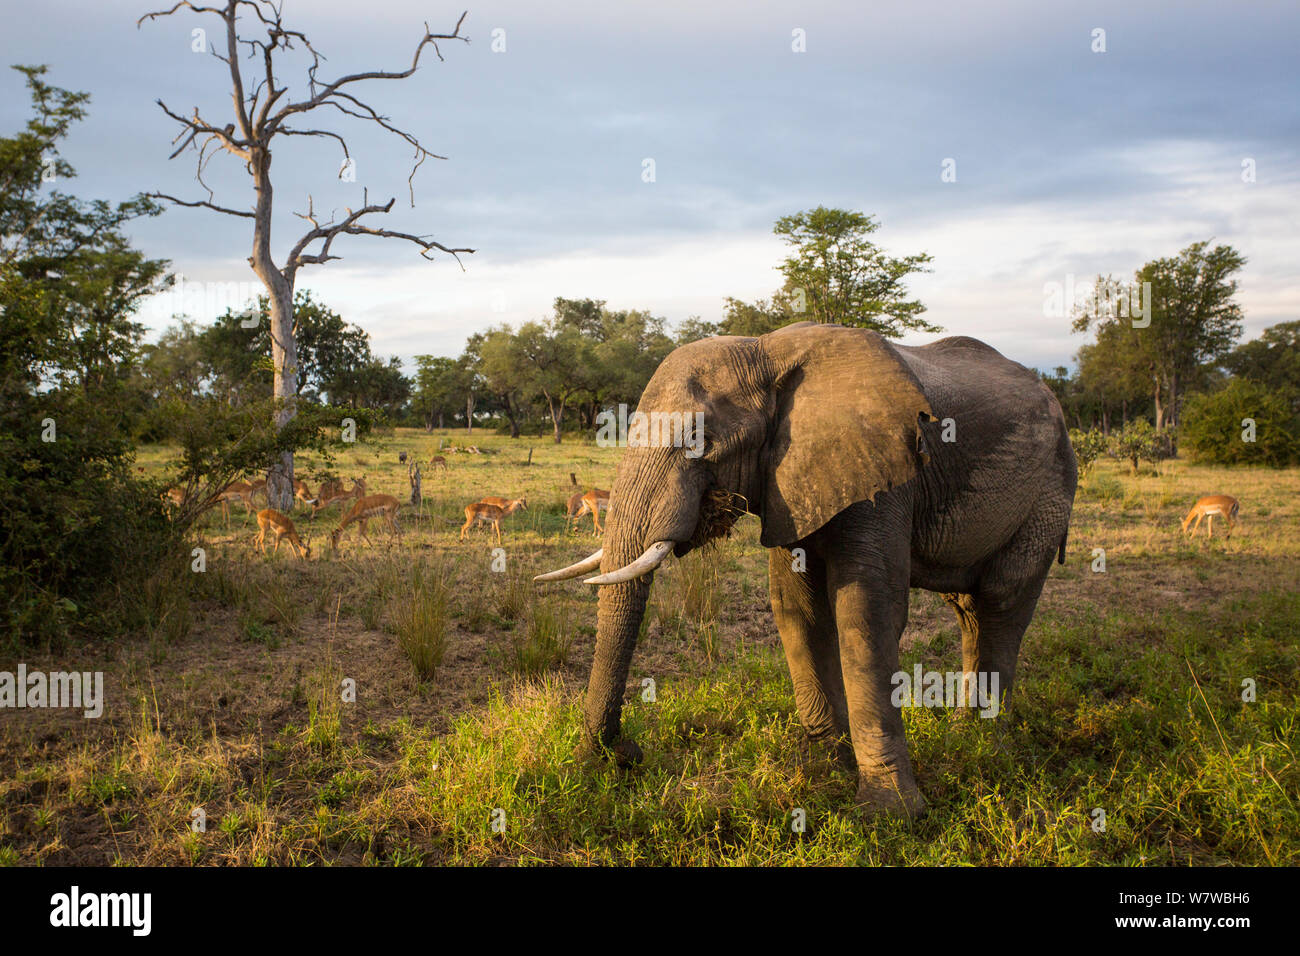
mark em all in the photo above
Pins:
pixel 1129 698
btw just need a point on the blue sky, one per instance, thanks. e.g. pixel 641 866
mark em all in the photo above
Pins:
pixel 1068 161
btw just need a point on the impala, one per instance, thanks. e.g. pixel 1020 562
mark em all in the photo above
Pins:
pixel 302 493
pixel 240 491
pixel 332 491
pixel 490 511
pixel 1210 507
pixel 268 519
pixel 174 496
pixel 507 505
pixel 590 502
pixel 438 461
pixel 258 487
pixel 372 506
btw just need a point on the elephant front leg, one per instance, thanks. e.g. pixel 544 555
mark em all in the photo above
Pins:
pixel 803 617
pixel 870 616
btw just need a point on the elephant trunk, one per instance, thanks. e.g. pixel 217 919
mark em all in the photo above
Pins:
pixel 621 609
pixel 640 531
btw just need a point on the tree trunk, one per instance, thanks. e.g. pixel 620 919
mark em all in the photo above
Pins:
pixel 284 358
pixel 1160 409
pixel 557 415
pixel 284 352
pixel 469 413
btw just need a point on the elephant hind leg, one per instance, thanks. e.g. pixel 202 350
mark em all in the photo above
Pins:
pixel 1004 602
pixel 807 627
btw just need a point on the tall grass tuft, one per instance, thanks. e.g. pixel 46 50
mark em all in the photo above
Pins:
pixel 324 707
pixel 420 617
pixel 513 592
pixel 545 641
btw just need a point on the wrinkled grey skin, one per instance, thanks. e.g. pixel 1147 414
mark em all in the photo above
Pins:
pixel 834 439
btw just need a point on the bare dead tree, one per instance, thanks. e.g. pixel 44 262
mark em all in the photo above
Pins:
pixel 260 116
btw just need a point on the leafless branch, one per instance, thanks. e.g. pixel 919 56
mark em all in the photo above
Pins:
pixel 206 205
pixel 351 226
pixel 258 120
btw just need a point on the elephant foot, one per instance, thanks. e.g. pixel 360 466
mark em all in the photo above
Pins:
pixel 839 745
pixel 625 752
pixel 890 794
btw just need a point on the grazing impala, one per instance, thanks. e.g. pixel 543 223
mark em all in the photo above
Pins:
pixel 175 496
pixel 1210 507
pixel 383 507
pixel 240 491
pixel 506 504
pixel 437 461
pixel 332 491
pixel 490 511
pixel 589 502
pixel 302 493
pixel 300 490
pixel 268 519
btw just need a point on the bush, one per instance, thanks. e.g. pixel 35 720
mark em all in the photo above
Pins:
pixel 86 545
pixel 1216 426
pixel 1088 447
pixel 1138 441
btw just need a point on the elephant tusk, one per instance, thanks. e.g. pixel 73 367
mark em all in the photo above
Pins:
pixel 653 557
pixel 572 571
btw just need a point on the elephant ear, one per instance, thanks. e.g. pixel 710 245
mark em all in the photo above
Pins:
pixel 846 426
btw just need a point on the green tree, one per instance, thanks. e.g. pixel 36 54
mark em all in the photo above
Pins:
pixel 694 328
pixel 555 365
pixel 502 363
pixel 334 356
pixel 1245 422
pixel 1088 447
pixel 760 317
pixel 842 276
pixel 1114 378
pixel 82 534
pixel 1273 360
pixel 436 395
pixel 1193 322
pixel 1137 441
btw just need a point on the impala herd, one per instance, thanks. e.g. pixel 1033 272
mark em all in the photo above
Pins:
pixel 490 510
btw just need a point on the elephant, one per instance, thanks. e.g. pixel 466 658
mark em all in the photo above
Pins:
pixel 873 468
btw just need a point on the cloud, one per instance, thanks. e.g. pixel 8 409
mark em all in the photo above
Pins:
pixel 1068 161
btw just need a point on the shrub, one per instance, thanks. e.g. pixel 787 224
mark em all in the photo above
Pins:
pixel 1215 426
pixel 1088 447
pixel 83 535
pixel 1137 441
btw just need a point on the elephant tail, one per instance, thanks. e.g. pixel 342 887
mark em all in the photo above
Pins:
pixel 1060 551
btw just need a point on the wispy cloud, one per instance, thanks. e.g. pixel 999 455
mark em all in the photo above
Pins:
pixel 1068 161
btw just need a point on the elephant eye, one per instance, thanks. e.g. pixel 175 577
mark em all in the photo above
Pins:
pixel 700 448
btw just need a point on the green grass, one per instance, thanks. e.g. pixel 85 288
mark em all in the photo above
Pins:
pixel 1128 700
